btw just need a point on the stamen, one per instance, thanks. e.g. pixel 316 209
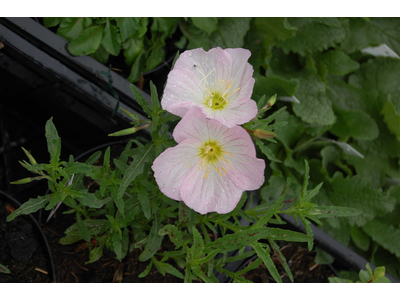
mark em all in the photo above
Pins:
pixel 229 165
pixel 208 171
pixel 227 152
pixel 219 171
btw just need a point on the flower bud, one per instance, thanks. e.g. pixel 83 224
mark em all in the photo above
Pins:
pixel 264 134
pixel 31 159
pixel 128 130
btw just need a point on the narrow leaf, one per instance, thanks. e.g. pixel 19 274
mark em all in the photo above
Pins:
pixel 264 255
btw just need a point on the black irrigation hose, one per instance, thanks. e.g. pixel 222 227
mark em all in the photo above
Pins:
pixel 16 203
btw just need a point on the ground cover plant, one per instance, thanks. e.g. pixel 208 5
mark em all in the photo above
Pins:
pixel 343 120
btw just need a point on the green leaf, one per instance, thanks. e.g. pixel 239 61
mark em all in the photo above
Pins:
pixel 275 207
pixel 51 21
pixel 132 49
pixel 174 234
pixel 140 157
pixel 385 235
pixel 146 271
pixel 93 226
pixel 87 42
pixel 275 27
pixel 173 271
pixel 313 34
pixel 334 212
pixel 95 254
pixel 230 32
pixel 208 24
pixel 71 28
pixel 267 151
pixel 338 62
pixel 4 269
pixel 101 55
pixel 361 34
pixel 391 117
pixel 314 106
pixel 153 242
pixel 281 259
pixel 141 100
pixel 111 39
pixel 272 85
pixel 82 229
pixel 143 197
pixel 287 235
pixel 30 206
pixel 53 142
pixel 357 193
pixel 359 238
pixel 237 240
pixel 264 255
pixel 198 244
pixel 128 27
pixel 355 123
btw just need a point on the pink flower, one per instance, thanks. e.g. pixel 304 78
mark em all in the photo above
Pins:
pixel 210 167
pixel 219 82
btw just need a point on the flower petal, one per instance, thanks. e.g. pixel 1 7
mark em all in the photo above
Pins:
pixel 172 166
pixel 214 193
pixel 246 172
pixel 192 125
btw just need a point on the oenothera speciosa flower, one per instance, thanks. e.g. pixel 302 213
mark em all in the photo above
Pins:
pixel 219 82
pixel 210 167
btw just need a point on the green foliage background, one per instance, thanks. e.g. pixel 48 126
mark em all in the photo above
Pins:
pixel 347 98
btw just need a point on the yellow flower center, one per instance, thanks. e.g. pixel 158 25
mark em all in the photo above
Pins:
pixel 212 153
pixel 216 97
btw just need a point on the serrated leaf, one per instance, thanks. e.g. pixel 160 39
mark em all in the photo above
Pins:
pixel 264 255
pixel 53 142
pixel 334 211
pixel 281 259
pixel 237 240
pixel 272 85
pixel 141 100
pixel 208 24
pixel 313 34
pixel 386 235
pixel 174 234
pixel 267 151
pixel 140 157
pixel 357 193
pixel 198 244
pixel 87 42
pixel 30 206
pixel 153 242
pixel 172 270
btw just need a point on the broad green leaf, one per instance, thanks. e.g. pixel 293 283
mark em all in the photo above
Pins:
pixel 30 206
pixel 153 242
pixel 338 62
pixel 275 27
pixel 357 193
pixel 132 49
pixel 140 157
pixel 386 235
pixel 53 142
pixel 208 24
pixel 355 123
pixel 101 55
pixel 51 21
pixel 313 34
pixel 111 39
pixel 87 42
pixel 230 32
pixel 128 27
pixel 314 106
pixel 272 85
pixel 264 255
pixel 361 34
pixel 156 57
pixel 71 28
pixel 391 117
pixel 360 238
